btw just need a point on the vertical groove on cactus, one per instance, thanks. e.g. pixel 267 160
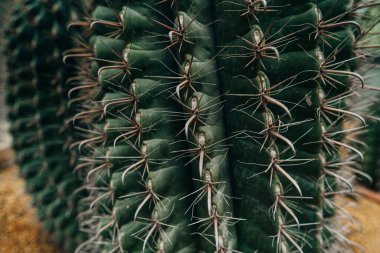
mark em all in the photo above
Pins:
pixel 197 91
pixel 35 40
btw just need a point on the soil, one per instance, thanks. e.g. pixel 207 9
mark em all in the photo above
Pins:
pixel 367 212
pixel 20 230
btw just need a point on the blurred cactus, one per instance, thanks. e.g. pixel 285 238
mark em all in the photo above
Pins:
pixel 372 156
pixel 370 137
pixel 36 93
pixel 5 139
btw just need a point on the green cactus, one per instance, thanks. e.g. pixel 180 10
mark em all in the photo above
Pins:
pixel 36 38
pixel 371 158
pixel 202 126
pixel 371 138
pixel 265 174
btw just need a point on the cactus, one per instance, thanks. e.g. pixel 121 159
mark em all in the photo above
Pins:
pixel 36 37
pixel 371 160
pixel 203 125
pixel 158 77
pixel 371 163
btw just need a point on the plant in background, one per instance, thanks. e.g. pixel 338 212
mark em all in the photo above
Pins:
pixel 371 44
pixel 4 126
pixel 371 158
pixel 36 93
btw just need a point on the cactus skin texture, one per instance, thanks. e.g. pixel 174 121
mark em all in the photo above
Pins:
pixel 36 38
pixel 215 126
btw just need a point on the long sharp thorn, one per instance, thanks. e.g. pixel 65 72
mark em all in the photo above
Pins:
pixel 294 182
pixel 290 212
pixel 188 122
pixel 141 205
pixel 286 140
pixel 201 160
pixel 278 103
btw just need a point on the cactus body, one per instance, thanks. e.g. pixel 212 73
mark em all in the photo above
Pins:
pixel 265 174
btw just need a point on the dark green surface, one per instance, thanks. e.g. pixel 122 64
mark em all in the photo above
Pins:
pixel 36 38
